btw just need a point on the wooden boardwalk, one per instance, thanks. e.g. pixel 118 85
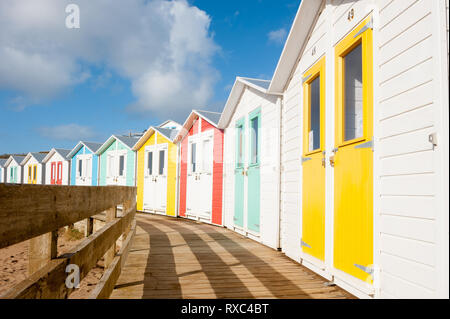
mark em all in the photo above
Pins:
pixel 177 258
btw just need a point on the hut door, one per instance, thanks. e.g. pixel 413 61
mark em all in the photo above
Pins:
pixel 253 172
pixel 239 172
pixel 353 155
pixel 193 193
pixel 161 178
pixel 205 176
pixel 111 168
pixel 314 162
pixel 88 170
pixel 121 178
pixel 34 174
pixel 59 173
pixel 52 173
pixel 30 174
pixel 149 178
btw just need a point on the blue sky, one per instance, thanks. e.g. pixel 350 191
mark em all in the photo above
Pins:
pixel 58 86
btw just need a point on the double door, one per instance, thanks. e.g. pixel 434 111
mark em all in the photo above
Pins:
pixel 350 161
pixel 200 176
pixel 13 178
pixel 116 168
pixel 247 173
pixel 32 174
pixel 155 178
pixel 84 170
pixel 56 173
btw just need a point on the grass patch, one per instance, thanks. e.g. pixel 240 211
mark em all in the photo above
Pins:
pixel 73 234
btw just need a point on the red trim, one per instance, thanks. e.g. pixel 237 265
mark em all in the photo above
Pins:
pixel 52 173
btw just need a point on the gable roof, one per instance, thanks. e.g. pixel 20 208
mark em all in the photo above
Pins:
pixel 39 157
pixel 93 147
pixel 176 124
pixel 167 133
pixel 211 117
pixel 60 151
pixel 2 162
pixel 17 158
pixel 129 142
pixel 295 43
pixel 235 95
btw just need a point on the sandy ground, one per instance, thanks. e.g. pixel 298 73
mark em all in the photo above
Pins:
pixel 14 267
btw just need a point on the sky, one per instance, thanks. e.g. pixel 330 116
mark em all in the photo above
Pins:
pixel 126 67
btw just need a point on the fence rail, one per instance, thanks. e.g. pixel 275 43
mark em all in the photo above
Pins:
pixel 35 213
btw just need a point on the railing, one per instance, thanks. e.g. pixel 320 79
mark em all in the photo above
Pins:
pixel 36 213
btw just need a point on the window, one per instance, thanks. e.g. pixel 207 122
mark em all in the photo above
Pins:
pixel 80 167
pixel 122 165
pixel 53 172
pixel 150 163
pixel 162 162
pixel 206 156
pixel 29 172
pixel 314 115
pixel 240 146
pixel 194 157
pixel 353 95
pixel 254 124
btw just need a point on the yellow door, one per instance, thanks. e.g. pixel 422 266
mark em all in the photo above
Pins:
pixel 313 161
pixel 353 155
pixel 34 174
pixel 30 174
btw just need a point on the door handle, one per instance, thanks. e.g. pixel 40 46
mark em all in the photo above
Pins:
pixel 332 161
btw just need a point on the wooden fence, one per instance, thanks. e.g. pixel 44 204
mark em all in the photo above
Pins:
pixel 35 213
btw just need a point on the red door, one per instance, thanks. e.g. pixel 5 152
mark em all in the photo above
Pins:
pixel 52 174
pixel 60 173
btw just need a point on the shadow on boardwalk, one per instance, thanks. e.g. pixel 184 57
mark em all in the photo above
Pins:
pixel 177 258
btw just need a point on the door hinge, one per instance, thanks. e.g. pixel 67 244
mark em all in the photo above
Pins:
pixel 369 25
pixel 368 270
pixel 306 159
pixel 303 244
pixel 366 145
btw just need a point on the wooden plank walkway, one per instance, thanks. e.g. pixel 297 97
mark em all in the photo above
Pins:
pixel 178 258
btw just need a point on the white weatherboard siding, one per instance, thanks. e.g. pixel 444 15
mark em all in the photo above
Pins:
pixel 250 100
pixel 66 170
pixel 410 176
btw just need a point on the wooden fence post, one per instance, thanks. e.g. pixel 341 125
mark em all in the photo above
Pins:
pixel 111 214
pixel 89 226
pixel 41 250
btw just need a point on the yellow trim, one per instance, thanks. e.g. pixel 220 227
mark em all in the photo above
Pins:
pixel 341 50
pixel 172 154
pixel 316 70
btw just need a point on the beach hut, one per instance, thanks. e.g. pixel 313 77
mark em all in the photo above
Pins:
pixel 117 161
pixel 364 145
pixel 2 171
pixel 84 164
pixel 34 168
pixel 13 169
pixel 201 168
pixel 157 159
pixel 57 167
pixel 251 120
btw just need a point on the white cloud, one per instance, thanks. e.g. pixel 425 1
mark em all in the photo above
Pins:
pixel 277 36
pixel 163 47
pixel 68 132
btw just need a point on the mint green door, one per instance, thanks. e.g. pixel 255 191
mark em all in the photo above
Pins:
pixel 253 221
pixel 239 172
